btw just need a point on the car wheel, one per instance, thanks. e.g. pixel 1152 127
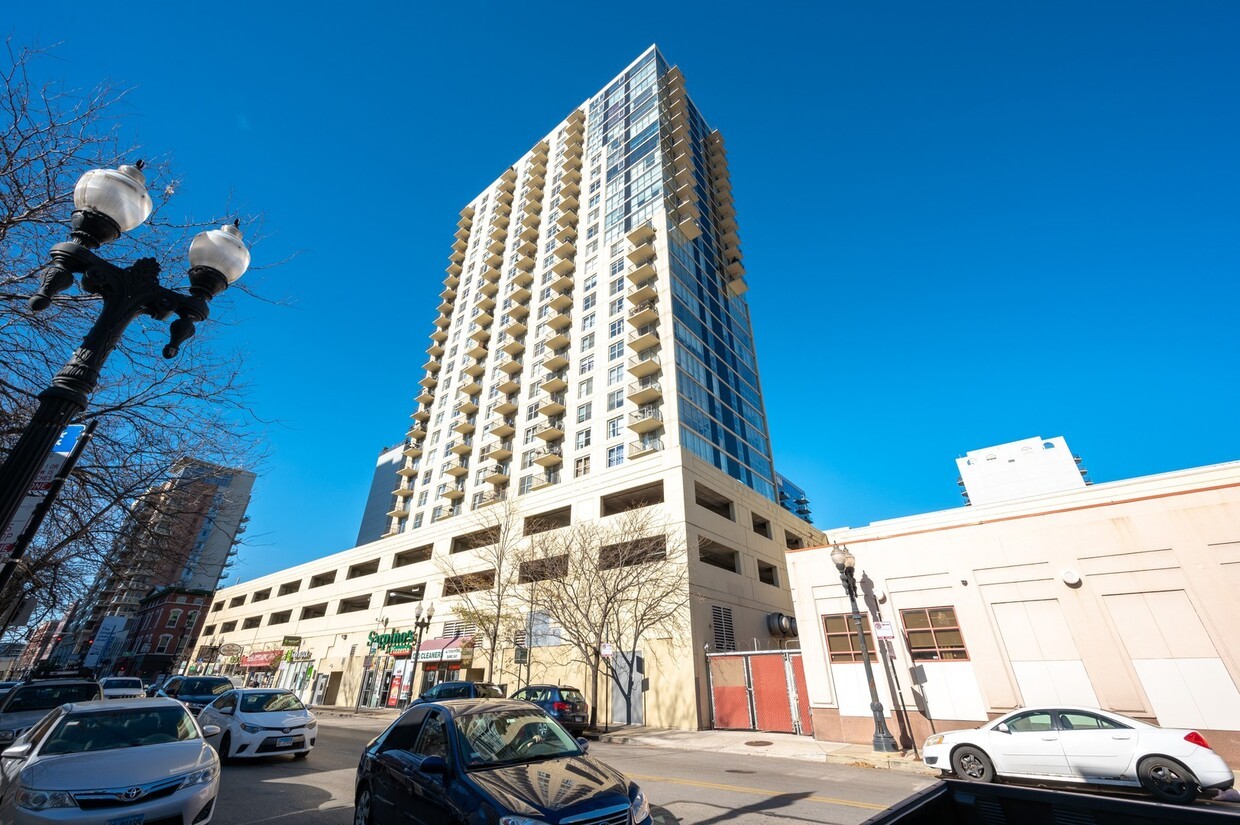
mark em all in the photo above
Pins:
pixel 971 764
pixel 361 807
pixel 1167 780
pixel 225 746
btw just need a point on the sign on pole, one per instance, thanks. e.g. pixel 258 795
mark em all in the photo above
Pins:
pixel 607 650
pixel 40 488
pixel 292 641
pixel 230 649
pixel 884 630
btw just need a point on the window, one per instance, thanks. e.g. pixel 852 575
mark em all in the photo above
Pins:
pixel 228 627
pixel 615 350
pixel 613 426
pixel 710 500
pixel 768 574
pixel 761 526
pixel 413 556
pixel 587 323
pixel 237 601
pixel 933 633
pixel 174 616
pixel 363 569
pixel 468 583
pixel 584 411
pixel 165 642
pixel 191 619
pixel 422 498
pixel 615 455
pixel 585 387
pixel 472 541
pixel 581 467
pixel 288 587
pixel 251 623
pixel 209 630
pixel 355 604
pixel 1078 720
pixel 537 570
pixel 314 611
pixel 550 520
pixel 583 439
pixel 615 328
pixel 587 341
pixel 323 579
pixel 721 624
pixel 632 553
pixel 587 364
pixel 616 307
pixel 632 498
pixel 260 595
pixel 282 617
pixel 615 400
pixel 1032 722
pixel 615 375
pixel 842 643
pixel 217 607
pixel 589 301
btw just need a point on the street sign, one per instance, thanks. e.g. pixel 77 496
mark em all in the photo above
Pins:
pixel 40 488
pixel 230 649
pixel 292 641
pixel 607 650
pixel 884 630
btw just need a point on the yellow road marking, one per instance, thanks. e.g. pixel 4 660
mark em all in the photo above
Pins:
pixel 759 791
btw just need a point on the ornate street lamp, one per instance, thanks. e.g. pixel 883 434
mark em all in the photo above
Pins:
pixel 420 624
pixel 846 563
pixel 108 203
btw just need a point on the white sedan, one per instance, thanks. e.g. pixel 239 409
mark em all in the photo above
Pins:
pixel 261 722
pixel 1083 745
pixel 122 687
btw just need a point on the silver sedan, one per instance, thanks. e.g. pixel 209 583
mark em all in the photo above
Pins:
pixel 111 761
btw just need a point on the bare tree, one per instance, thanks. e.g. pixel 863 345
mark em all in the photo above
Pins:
pixel 151 411
pixel 620 581
pixel 481 571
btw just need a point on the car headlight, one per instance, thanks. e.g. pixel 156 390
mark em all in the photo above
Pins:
pixel 7 736
pixel 248 728
pixel 201 777
pixel 934 740
pixel 520 820
pixel 311 725
pixel 33 800
pixel 639 808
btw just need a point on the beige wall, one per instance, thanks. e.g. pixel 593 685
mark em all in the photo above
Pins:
pixel 1146 631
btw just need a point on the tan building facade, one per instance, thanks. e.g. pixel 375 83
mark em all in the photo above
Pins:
pixel 1119 595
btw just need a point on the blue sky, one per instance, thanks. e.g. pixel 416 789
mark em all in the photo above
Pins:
pixel 963 223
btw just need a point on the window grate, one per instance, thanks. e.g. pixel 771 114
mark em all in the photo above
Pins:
pixel 725 633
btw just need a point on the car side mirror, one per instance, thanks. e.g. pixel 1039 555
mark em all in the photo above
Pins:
pixel 21 751
pixel 1003 728
pixel 433 764
pixel 210 730
pixel 584 744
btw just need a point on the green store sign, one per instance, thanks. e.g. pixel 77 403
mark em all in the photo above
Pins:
pixel 395 640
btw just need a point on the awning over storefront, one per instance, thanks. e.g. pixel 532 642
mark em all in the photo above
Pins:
pixel 262 658
pixel 451 649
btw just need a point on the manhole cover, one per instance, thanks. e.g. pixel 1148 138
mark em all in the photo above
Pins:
pixel 758 743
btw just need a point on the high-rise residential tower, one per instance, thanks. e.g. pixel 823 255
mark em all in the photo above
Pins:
pixel 592 354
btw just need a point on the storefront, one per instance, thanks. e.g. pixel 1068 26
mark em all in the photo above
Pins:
pixel 296 673
pixel 440 660
pixel 259 666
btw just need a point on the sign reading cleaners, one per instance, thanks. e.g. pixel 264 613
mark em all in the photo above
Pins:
pixel 39 489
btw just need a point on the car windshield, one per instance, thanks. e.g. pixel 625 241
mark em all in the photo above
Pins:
pixel 45 697
pixel 269 702
pixel 572 695
pixel 204 687
pixel 108 730
pixel 488 739
pixel 117 684
pixel 489 692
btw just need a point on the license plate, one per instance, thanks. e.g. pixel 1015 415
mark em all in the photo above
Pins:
pixel 136 819
pixel 284 742
pixel 579 717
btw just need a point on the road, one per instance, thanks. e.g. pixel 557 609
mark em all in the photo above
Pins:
pixel 684 787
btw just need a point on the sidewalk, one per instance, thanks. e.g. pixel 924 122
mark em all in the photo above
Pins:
pixel 348 711
pixel 759 743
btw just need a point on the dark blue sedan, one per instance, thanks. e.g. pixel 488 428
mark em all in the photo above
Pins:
pixel 488 762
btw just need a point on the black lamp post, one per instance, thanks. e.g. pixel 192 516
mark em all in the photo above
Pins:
pixel 420 625
pixel 107 203
pixel 846 563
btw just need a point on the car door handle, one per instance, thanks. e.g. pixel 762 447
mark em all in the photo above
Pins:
pixel 1125 738
pixel 1050 738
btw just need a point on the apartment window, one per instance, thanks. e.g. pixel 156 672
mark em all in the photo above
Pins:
pixel 585 387
pixel 174 616
pixel 209 630
pixel 237 601
pixel 281 617
pixel 721 624
pixel 468 583
pixel 165 642
pixel 354 605
pixel 228 627
pixel 768 574
pixel 260 595
pixel 251 623
pixel 615 455
pixel 615 375
pixel 364 569
pixel 583 439
pixel 422 497
pixel 323 579
pixel 616 307
pixel 217 607
pixel 584 411
pixel 613 426
pixel 587 323
pixel 615 400
pixel 615 350
pixel 934 633
pixel 314 611
pixel 407 557
pixel 591 280
pixel 417 520
pixel 581 467
pixel 587 364
pixel 589 301
pixel 841 637
pixel 617 266
pixel 587 341
pixel 289 587
pixel 615 328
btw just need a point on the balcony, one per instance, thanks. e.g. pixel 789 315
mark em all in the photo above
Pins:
pixel 512 365
pixel 643 293
pixel 454 270
pixel 433 365
pixel 645 420
pixel 513 346
pixel 422 414
pixel 472 387
pixel 528 248
pixel 645 314
pixel 463 447
pixel 562 283
pixel 407 472
pixel 690 229
pixel 483 318
pixel 498 451
pixel 445 308
pixel 460 244
pixel 735 269
pixel 554 382
pixel 459 468
pixel 496 247
pixel 552 404
pixel 504 427
pixel 644 338
pixel 737 287
pixel 417 430
pixel 403 492
pixel 495 260
pixel 465 426
pixel 435 350
pixel 645 391
pixel 510 404
pixel 641 272
pixel 443 321
pixel 494 474
pixel 561 301
pixel 442 515
pixel 399 510
pixel 558 360
pixel 413 450
pixel 640 235
pixel 430 381
pixel 475 369
pixel 545 481
pixel 529 233
pixel 684 175
pixel 553 430
pixel 478 349
pixel 516 312
pixel 568 218
pixel 568 197
pixel 548 457
pixel 454 493
pixel 560 321
pixel 509 385
pixel 640 366
pixel 641 253
pixel 479 333
pixel 565 250
pixel 439 335
pixel 567 235
pixel 564 266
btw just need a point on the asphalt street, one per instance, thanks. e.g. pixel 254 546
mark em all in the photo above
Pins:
pixel 684 787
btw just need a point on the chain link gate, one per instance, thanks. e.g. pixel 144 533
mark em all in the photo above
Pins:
pixel 759 690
